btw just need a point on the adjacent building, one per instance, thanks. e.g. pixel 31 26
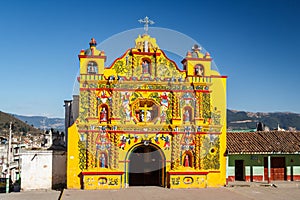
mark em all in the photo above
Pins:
pixel 10 162
pixel 43 169
pixel 263 156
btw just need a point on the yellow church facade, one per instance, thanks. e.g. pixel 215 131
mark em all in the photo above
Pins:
pixel 146 121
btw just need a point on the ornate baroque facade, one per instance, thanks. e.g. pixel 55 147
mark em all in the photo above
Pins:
pixel 145 121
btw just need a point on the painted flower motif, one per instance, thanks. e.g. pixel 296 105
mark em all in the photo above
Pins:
pixel 213 151
pixel 210 152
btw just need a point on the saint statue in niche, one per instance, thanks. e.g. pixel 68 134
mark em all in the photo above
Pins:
pixel 186 161
pixel 186 116
pixel 102 160
pixel 145 66
pixel 103 115
pixel 148 116
pixel 142 118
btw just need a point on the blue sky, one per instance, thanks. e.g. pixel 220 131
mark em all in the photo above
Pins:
pixel 255 43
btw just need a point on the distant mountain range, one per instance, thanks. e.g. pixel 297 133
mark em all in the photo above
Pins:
pixel 241 120
pixel 41 122
pixel 19 127
pixel 236 120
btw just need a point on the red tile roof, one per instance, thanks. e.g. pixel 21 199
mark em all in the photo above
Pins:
pixel 263 142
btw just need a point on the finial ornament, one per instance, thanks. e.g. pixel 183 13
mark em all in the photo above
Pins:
pixel 196 48
pixel 93 42
pixel 146 21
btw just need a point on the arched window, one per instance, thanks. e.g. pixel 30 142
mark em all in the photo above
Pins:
pixel 199 70
pixel 92 67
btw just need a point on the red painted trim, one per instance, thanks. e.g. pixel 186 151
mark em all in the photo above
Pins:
pixel 188 173
pixel 198 133
pixel 172 62
pixel 214 171
pixel 255 178
pixel 146 53
pixel 121 89
pixel 152 132
pixel 231 178
pixel 137 132
pixel 198 76
pixel 115 118
pixel 86 56
pixel 141 90
pixel 202 59
pixel 83 89
pixel 120 58
pixel 164 132
pixel 295 178
pixel 102 173
pixel 214 76
pixel 93 131
pixel 105 89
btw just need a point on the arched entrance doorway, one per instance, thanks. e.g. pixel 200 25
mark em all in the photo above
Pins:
pixel 146 166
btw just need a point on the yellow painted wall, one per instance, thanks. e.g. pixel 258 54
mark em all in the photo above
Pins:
pixel 188 181
pixel 94 182
pixel 210 134
pixel 73 171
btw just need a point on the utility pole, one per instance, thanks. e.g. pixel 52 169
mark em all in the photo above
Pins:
pixel 8 159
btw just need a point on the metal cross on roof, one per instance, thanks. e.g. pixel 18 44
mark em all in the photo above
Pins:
pixel 146 21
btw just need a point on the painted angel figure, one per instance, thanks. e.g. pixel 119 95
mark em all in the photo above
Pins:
pixel 128 113
pixel 123 141
pixel 164 99
pixel 167 141
pixel 125 98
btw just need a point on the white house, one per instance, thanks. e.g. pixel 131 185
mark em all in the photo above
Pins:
pixel 43 169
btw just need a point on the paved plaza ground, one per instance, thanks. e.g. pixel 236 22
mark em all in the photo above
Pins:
pixel 235 191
